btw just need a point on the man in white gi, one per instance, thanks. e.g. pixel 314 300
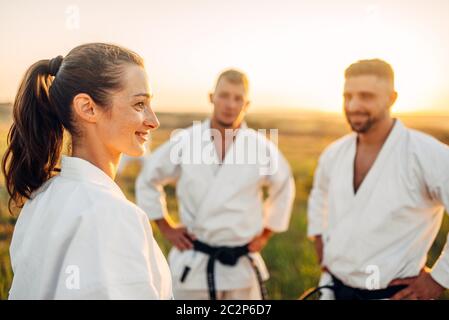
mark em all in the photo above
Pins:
pixel 378 198
pixel 225 221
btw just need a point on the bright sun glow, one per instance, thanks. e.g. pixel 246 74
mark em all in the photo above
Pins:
pixel 294 52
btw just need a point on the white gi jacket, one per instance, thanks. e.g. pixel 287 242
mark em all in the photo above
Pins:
pixel 221 206
pixel 388 226
pixel 80 238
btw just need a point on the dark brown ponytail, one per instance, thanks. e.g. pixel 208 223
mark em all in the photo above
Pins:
pixel 42 110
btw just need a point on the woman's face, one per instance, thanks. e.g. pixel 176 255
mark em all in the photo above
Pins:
pixel 126 126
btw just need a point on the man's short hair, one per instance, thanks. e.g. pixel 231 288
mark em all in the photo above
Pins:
pixel 374 67
pixel 235 77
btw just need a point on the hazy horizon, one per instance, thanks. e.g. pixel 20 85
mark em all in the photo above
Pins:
pixel 288 110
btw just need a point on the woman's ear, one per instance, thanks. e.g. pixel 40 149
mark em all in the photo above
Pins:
pixel 85 108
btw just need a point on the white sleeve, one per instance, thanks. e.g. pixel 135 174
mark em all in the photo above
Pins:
pixel 122 291
pixel 112 256
pixel 281 193
pixel 318 199
pixel 434 163
pixel 159 169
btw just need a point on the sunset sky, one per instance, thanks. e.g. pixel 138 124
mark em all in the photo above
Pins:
pixel 294 52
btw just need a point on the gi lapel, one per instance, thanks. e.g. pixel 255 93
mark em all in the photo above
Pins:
pixel 375 173
pixel 349 222
pixel 224 175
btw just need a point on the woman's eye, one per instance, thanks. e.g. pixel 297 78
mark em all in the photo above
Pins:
pixel 140 105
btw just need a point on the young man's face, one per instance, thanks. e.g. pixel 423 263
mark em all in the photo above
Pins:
pixel 230 103
pixel 367 100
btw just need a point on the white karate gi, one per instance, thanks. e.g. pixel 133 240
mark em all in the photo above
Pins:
pixel 220 205
pixel 385 230
pixel 80 238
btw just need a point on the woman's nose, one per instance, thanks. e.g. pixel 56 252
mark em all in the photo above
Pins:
pixel 151 119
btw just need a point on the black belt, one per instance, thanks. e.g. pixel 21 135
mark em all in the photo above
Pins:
pixel 344 292
pixel 228 256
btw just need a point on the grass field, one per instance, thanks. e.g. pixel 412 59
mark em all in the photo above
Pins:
pixel 302 136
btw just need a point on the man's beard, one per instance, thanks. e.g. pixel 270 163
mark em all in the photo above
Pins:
pixel 362 127
pixel 224 124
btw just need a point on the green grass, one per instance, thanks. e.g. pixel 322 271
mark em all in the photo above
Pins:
pixel 290 257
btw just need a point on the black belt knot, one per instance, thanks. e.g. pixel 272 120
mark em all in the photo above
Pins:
pixel 227 256
pixel 345 292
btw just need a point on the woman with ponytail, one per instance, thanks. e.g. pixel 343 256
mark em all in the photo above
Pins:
pixel 77 236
